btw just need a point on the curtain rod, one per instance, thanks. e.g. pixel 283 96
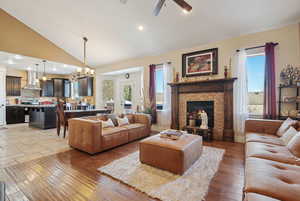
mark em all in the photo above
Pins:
pixel 163 63
pixel 251 48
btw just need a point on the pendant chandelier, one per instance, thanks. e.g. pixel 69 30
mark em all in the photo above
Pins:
pixel 86 71
pixel 44 78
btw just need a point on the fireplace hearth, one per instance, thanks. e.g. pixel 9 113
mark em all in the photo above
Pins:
pixel 193 108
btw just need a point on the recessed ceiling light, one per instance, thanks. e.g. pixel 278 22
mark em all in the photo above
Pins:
pixel 54 69
pixel 140 28
pixel 65 65
pixel 28 68
pixel 18 56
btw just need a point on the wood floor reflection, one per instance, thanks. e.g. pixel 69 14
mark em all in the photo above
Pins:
pixel 73 175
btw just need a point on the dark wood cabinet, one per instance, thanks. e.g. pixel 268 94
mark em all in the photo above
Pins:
pixel 67 88
pixel 47 88
pixel 57 87
pixel 86 86
pixel 13 86
pixel 15 114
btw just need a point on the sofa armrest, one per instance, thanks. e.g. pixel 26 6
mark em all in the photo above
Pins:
pixel 262 126
pixel 85 135
pixel 143 119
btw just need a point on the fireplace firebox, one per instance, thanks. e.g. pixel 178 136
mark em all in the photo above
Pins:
pixel 193 108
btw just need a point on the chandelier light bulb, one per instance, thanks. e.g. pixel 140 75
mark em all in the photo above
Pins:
pixel 87 69
pixel 79 70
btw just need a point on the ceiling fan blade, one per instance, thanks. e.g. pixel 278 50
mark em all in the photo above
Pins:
pixel 158 7
pixel 184 5
pixel 123 1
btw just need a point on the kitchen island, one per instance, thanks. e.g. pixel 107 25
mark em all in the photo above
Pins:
pixel 42 116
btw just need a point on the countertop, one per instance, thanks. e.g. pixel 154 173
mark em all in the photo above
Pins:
pixel 88 110
pixel 33 106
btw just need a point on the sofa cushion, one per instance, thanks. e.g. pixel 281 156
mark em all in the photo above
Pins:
pixel 136 131
pixel 272 179
pixel 271 152
pixel 130 118
pixel 113 117
pixel 288 135
pixel 107 124
pixel 285 125
pixel 136 125
pixel 294 145
pixel 114 130
pixel 122 121
pixel 258 197
pixel 264 138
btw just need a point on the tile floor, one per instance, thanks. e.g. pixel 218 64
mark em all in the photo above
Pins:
pixel 20 143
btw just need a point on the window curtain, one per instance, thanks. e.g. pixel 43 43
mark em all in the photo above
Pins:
pixel 270 88
pixel 166 112
pixel 152 93
pixel 240 93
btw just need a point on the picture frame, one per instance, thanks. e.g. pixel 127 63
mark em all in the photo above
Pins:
pixel 200 63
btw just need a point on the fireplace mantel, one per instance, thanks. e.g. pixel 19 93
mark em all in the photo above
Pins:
pixel 206 86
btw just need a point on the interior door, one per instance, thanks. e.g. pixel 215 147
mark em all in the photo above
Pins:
pixel 2 96
pixel 126 97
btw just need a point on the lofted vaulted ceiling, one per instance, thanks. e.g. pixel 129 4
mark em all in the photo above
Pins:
pixel 112 26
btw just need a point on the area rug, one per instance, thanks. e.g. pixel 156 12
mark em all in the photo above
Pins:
pixel 192 186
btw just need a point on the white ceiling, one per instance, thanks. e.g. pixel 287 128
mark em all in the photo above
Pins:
pixel 20 62
pixel 112 27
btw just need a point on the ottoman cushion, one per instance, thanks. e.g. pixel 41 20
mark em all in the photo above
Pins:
pixel 175 156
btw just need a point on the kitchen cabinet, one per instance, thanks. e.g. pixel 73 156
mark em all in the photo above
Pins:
pixel 47 88
pixel 15 114
pixel 13 86
pixel 67 88
pixel 85 86
pixel 57 87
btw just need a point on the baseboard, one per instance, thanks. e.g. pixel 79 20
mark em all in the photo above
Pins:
pixel 240 139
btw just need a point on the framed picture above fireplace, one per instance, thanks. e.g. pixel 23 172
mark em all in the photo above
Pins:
pixel 204 62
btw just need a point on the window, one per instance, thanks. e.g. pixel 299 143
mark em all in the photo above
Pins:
pixel 255 65
pixel 159 83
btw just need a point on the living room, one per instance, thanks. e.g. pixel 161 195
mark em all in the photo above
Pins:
pixel 171 100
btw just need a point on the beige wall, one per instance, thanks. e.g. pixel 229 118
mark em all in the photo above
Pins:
pixel 287 52
pixel 17 38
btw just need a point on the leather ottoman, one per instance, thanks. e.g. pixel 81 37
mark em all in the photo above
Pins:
pixel 175 156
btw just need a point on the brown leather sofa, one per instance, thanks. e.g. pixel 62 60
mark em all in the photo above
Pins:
pixel 87 134
pixel 272 172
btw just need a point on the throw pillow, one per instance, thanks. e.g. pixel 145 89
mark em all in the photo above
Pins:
pixel 123 121
pixel 294 145
pixel 107 124
pixel 113 117
pixel 288 135
pixel 285 125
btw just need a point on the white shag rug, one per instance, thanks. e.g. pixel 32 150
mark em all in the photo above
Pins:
pixel 192 186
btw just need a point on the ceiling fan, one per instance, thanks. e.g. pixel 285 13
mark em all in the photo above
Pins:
pixel 182 3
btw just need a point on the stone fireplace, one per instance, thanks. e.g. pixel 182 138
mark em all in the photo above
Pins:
pixel 216 96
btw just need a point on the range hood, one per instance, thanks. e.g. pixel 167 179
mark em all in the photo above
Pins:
pixel 32 83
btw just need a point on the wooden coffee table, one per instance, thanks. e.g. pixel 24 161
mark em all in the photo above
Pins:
pixel 175 156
